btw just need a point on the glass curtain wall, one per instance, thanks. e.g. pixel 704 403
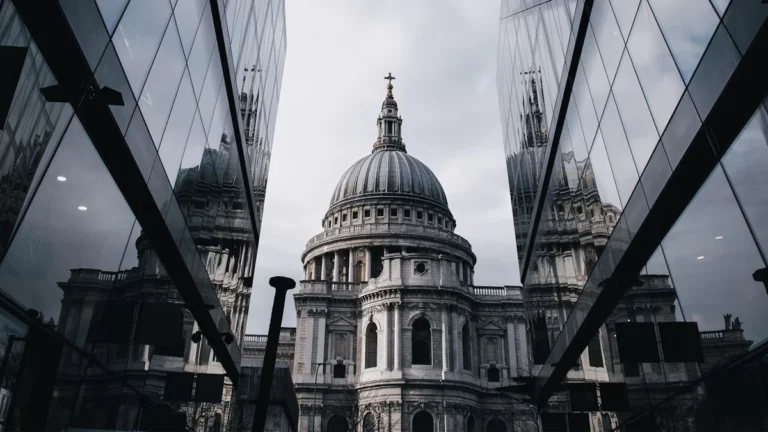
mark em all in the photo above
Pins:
pixel 85 296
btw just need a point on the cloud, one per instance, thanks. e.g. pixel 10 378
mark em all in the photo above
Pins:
pixel 443 56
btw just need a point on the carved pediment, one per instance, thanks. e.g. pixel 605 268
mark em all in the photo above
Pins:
pixel 341 319
pixel 490 325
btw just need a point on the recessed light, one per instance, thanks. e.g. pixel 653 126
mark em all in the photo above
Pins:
pixel 700 257
pixel 82 208
pixel 718 237
pixel 61 178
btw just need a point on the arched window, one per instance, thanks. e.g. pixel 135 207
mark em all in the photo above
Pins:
pixel 466 351
pixel 496 425
pixel 421 347
pixel 422 422
pixel 371 340
pixel 471 423
pixel 369 423
pixel 337 424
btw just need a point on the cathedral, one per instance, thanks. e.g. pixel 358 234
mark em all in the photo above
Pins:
pixel 392 333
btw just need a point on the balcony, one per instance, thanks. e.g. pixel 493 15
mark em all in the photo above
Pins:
pixel 328 287
pixel 388 228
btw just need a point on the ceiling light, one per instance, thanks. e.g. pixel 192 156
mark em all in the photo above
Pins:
pixel 61 178
pixel 84 208
pixel 700 257
pixel 718 237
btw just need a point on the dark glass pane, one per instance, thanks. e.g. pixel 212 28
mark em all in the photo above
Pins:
pixel 743 20
pixel 681 130
pixel 140 142
pixel 716 67
pixel 85 21
pixel 110 74
pixel 656 174
pixel 76 227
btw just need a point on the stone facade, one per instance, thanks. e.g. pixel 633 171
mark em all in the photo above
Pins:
pixel 391 330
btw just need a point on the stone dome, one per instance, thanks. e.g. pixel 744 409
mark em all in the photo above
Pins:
pixel 389 172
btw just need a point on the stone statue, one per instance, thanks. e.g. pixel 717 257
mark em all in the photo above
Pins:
pixel 737 324
pixel 727 319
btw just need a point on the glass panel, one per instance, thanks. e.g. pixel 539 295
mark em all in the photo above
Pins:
pixel 140 142
pixel 162 83
pixel 85 21
pixel 30 126
pixel 717 65
pixel 138 36
pixel 599 173
pixel 655 69
pixel 110 74
pixel 595 72
pixel 744 19
pixel 607 34
pixel 712 256
pixel 687 26
pixel 745 164
pixel 188 14
pixel 179 125
pixel 721 6
pixel 73 226
pixel 625 11
pixel 617 147
pixel 202 50
pixel 210 92
pixel 193 153
pixel 111 10
pixel 656 174
pixel 637 121
pixel 682 128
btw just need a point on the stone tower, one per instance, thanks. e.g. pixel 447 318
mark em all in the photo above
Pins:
pixel 392 333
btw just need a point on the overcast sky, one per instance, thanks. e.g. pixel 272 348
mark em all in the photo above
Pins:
pixel 443 55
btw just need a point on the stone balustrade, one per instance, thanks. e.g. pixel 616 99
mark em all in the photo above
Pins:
pixel 328 287
pixel 388 228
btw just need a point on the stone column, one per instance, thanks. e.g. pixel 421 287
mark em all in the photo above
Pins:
pixel 323 270
pixel 385 338
pixel 368 263
pixel 472 276
pixel 320 339
pixel 456 342
pixel 336 266
pixel 397 337
pixel 522 336
pixel 513 372
pixel 445 339
pixel 351 265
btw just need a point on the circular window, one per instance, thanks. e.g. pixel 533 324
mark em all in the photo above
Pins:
pixel 389 111
pixel 420 268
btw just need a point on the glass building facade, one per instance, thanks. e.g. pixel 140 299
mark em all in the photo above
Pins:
pixel 636 136
pixel 135 138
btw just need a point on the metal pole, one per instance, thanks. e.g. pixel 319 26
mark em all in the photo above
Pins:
pixel 282 285
pixel 314 397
